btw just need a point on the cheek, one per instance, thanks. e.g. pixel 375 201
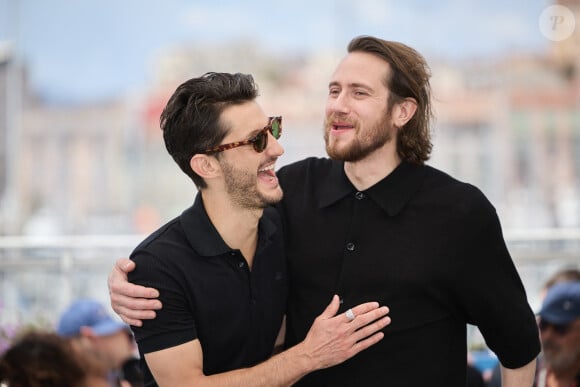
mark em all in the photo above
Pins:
pixel 379 116
pixel 328 108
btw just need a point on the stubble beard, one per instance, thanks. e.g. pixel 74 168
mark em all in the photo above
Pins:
pixel 242 188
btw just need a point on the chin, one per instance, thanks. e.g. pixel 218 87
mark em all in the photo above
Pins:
pixel 336 153
pixel 277 197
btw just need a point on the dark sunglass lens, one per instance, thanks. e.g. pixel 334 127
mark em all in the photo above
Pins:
pixel 275 128
pixel 560 329
pixel 260 141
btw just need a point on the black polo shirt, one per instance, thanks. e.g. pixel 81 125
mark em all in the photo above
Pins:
pixel 420 242
pixel 208 292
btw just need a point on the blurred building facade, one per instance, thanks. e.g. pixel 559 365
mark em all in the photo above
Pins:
pixel 512 127
pixel 11 78
pixel 509 125
pixel 4 60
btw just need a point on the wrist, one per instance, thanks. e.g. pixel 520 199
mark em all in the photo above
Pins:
pixel 301 359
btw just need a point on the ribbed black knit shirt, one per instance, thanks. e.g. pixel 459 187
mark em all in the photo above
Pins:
pixel 209 293
pixel 424 244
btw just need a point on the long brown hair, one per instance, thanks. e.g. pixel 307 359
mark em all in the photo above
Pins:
pixel 409 78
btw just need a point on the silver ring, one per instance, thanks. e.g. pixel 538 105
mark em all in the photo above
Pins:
pixel 349 315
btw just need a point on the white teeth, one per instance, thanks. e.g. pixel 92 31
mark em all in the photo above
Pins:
pixel 268 168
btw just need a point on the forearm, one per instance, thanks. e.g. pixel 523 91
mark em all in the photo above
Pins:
pixel 331 340
pixel 281 370
pixel 519 377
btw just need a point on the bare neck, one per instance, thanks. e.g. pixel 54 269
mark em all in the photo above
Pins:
pixel 365 173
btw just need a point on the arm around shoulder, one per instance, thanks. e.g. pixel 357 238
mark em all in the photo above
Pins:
pixel 131 302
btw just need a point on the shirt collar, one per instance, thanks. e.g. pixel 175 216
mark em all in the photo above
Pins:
pixel 396 190
pixel 391 193
pixel 334 186
pixel 204 237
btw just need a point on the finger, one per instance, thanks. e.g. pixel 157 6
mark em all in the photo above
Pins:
pixel 349 314
pixel 128 289
pixel 364 308
pixel 371 315
pixel 122 303
pixel 368 342
pixel 363 314
pixel 125 265
pixel 135 314
pixel 371 328
pixel 131 321
pixel 332 308
pixel 120 286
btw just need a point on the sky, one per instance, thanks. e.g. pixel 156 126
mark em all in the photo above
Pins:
pixel 88 50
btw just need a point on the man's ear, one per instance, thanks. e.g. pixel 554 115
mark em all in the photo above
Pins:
pixel 204 165
pixel 404 111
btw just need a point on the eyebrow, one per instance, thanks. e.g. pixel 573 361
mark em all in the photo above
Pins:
pixel 352 85
pixel 255 132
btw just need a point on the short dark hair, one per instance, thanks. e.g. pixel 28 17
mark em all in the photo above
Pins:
pixel 409 78
pixel 191 119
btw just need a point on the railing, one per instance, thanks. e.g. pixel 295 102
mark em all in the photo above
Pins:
pixel 40 276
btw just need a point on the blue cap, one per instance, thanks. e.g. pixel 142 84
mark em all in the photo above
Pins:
pixel 88 313
pixel 562 303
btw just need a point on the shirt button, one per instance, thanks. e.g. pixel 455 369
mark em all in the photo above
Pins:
pixel 350 246
pixel 359 195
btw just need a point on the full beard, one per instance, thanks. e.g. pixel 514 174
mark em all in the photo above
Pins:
pixel 362 145
pixel 558 359
pixel 242 188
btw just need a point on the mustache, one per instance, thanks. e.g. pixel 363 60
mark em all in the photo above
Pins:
pixel 337 117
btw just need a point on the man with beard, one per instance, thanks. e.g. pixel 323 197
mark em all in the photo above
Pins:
pixel 374 222
pixel 220 266
pixel 560 335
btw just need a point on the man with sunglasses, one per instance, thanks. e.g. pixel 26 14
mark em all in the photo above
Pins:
pixel 220 267
pixel 559 323
pixel 374 221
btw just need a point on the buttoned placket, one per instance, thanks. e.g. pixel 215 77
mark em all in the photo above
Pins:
pixel 350 254
pixel 238 262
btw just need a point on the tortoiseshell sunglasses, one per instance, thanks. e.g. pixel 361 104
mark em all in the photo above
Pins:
pixel 259 141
